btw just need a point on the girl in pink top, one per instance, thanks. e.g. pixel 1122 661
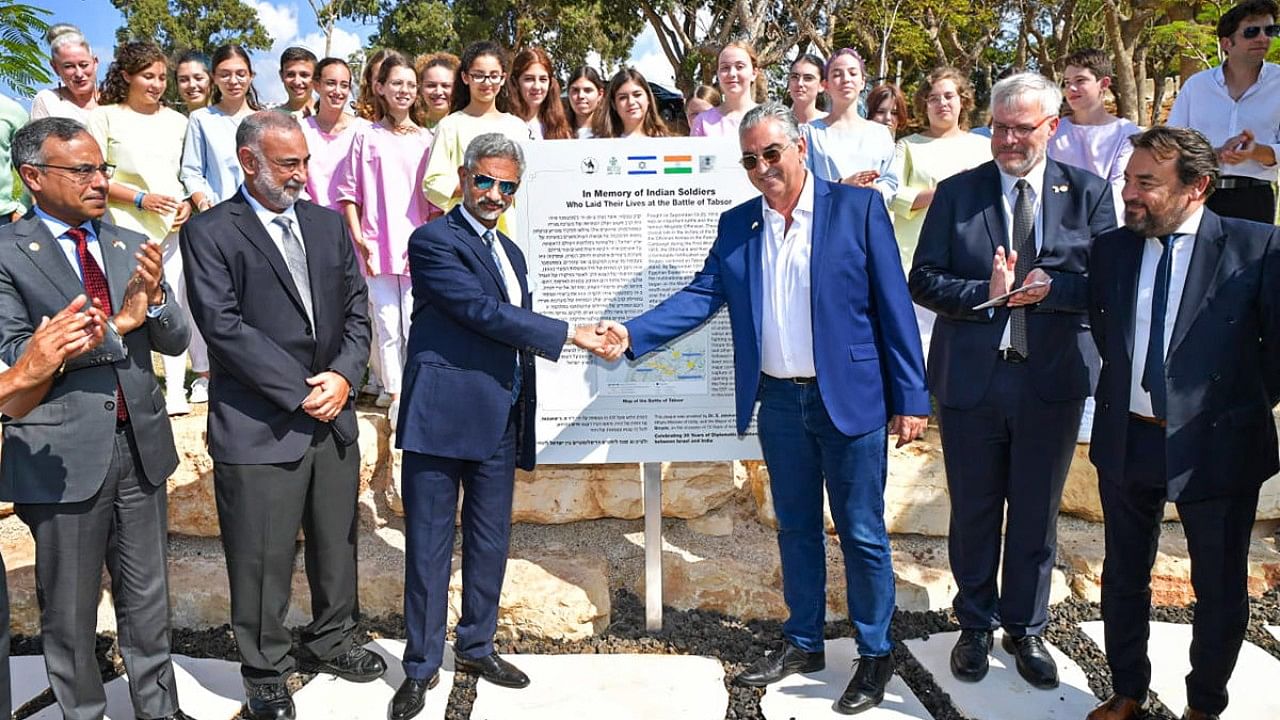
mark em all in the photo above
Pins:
pixel 330 131
pixel 736 70
pixel 379 190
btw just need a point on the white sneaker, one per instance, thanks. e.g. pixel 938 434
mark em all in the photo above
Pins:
pixel 383 401
pixel 371 387
pixel 199 391
pixel 393 413
pixel 177 406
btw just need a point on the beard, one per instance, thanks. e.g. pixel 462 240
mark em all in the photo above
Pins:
pixel 1019 167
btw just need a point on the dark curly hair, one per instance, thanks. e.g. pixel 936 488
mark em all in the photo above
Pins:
pixel 131 58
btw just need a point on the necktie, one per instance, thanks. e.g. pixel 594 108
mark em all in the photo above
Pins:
pixel 95 286
pixel 295 258
pixel 1153 369
pixel 492 241
pixel 1024 219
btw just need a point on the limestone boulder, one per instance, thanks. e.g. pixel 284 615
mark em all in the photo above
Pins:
pixel 546 594
pixel 915 498
pixel 555 494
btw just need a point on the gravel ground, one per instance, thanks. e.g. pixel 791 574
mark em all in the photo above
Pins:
pixel 734 642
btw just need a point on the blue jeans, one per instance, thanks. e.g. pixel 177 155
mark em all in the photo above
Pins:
pixel 802 448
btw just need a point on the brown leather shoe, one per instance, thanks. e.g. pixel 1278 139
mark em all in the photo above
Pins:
pixel 1193 714
pixel 1119 707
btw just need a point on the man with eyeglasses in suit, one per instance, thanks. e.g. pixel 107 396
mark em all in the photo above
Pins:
pixel 1236 105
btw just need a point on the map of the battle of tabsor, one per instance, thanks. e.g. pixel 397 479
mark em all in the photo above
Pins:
pixel 678 369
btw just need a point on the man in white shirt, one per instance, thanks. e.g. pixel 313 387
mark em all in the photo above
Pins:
pixel 1237 107
pixel 825 338
pixel 1185 308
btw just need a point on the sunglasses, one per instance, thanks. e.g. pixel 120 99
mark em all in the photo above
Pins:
pixel 771 155
pixel 1254 31
pixel 485 183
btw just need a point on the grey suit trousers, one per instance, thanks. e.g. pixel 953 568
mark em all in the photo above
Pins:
pixel 126 525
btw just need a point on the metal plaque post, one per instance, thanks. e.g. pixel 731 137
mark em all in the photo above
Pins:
pixel 651 477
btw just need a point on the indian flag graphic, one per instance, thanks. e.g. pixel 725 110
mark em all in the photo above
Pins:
pixel 677 164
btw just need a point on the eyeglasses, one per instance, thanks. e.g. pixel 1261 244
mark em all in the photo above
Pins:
pixel 1019 131
pixel 770 155
pixel 1254 31
pixel 81 173
pixel 486 183
pixel 939 99
pixel 492 78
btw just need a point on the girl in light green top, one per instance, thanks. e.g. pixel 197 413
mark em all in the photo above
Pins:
pixel 944 148
pixel 143 139
pixel 475 97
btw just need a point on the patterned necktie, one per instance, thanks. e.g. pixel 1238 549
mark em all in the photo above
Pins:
pixel 1153 368
pixel 95 286
pixel 492 241
pixel 295 258
pixel 1024 221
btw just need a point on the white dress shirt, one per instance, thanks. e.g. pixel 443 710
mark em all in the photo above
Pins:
pixel 786 330
pixel 1205 104
pixel 58 230
pixel 1182 247
pixel 514 293
pixel 268 219
pixel 1008 197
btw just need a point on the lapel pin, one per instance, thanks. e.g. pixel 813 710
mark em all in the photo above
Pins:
pixel 1061 188
pixel 755 225
pixel 35 247
pixel 117 245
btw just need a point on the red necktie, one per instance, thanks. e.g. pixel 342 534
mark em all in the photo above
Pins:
pixel 95 284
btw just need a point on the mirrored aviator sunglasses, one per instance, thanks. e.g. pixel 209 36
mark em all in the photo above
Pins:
pixel 771 155
pixel 1253 31
pixel 485 183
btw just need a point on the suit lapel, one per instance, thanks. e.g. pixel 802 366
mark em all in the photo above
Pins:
pixel 755 259
pixel 516 258
pixel 35 240
pixel 818 237
pixel 993 208
pixel 1127 271
pixel 476 244
pixel 1051 202
pixel 1198 289
pixel 317 260
pixel 247 222
pixel 117 260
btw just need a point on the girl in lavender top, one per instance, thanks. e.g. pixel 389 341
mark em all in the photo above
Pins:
pixel 1092 138
pixel 379 191
pixel 736 71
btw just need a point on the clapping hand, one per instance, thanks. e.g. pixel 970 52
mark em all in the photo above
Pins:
pixel 606 339
pixel 1002 268
pixel 76 329
pixel 143 289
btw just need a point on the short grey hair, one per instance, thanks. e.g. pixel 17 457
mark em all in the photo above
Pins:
pixel 490 145
pixel 252 128
pixel 28 142
pixel 775 111
pixel 61 35
pixel 1010 90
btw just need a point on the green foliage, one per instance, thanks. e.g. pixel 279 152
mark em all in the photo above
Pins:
pixel 567 29
pixel 23 64
pixel 191 24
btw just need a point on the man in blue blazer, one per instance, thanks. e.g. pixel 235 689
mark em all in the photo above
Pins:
pixel 1010 381
pixel 825 339
pixel 467 417
pixel 1185 308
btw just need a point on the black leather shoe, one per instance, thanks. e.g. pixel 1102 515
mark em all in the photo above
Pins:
pixel 179 715
pixel 410 697
pixel 268 701
pixel 866 689
pixel 780 662
pixel 1035 664
pixel 357 664
pixel 969 661
pixel 494 669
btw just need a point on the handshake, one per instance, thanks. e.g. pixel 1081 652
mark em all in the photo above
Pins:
pixel 606 339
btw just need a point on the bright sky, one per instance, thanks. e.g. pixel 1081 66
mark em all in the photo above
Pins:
pixel 289 22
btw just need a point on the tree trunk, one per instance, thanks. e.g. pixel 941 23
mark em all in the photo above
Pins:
pixel 1121 38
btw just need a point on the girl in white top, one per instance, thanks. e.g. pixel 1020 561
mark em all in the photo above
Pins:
pixel 844 146
pixel 76 66
pixel 143 139
pixel 736 71
pixel 533 95
pixel 194 80
pixel 586 95
pixel 632 110
pixel 805 85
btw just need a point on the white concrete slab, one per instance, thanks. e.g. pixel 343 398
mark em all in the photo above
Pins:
pixel 207 689
pixel 330 698
pixel 1003 694
pixel 800 697
pixel 27 678
pixel 620 687
pixel 1256 670
pixel 1275 631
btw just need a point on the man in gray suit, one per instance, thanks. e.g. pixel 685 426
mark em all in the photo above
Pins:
pixel 86 468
